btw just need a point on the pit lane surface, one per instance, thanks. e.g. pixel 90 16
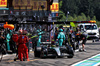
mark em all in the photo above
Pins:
pixel 92 49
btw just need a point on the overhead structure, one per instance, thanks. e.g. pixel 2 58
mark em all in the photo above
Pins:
pixel 46 22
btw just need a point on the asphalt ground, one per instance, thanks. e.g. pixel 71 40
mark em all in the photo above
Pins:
pixel 92 49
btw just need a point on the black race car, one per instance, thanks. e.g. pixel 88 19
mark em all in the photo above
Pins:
pixel 47 49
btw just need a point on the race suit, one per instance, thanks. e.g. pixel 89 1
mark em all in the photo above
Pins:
pixel 22 48
pixel 61 38
pixel 15 39
pixel 39 38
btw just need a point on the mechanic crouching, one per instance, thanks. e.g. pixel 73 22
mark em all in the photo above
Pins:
pixel 60 37
pixel 22 48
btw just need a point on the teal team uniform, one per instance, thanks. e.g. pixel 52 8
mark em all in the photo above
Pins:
pixel 61 37
pixel 8 39
pixel 39 37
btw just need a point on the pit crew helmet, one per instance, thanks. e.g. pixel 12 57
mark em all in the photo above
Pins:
pixel 60 30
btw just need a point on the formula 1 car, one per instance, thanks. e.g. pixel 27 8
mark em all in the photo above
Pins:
pixel 47 49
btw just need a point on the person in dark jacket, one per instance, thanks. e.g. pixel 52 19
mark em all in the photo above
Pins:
pixel 84 39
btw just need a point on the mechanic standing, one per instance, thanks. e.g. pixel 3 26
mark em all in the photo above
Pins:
pixel 15 39
pixel 84 39
pixel 39 37
pixel 22 48
pixel 8 37
pixel 61 37
pixel 40 32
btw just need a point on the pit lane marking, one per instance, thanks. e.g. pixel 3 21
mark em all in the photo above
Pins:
pixel 92 61
pixel 14 54
pixel 31 52
pixel 34 59
pixel 19 60
pixel 7 55
pixel 10 61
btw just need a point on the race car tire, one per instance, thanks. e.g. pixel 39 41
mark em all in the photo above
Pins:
pixel 42 54
pixel 71 53
pixel 36 53
pixel 56 56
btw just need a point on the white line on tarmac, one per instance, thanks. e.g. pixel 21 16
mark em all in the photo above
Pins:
pixel 85 60
pixel 7 55
pixel 97 64
pixel 13 54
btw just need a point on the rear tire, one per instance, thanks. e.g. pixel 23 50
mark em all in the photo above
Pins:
pixel 71 53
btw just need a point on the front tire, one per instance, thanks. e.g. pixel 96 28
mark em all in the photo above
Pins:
pixel 71 54
pixel 36 53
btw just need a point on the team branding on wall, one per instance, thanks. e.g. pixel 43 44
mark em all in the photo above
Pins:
pixel 3 3
pixel 54 7
pixel 29 4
